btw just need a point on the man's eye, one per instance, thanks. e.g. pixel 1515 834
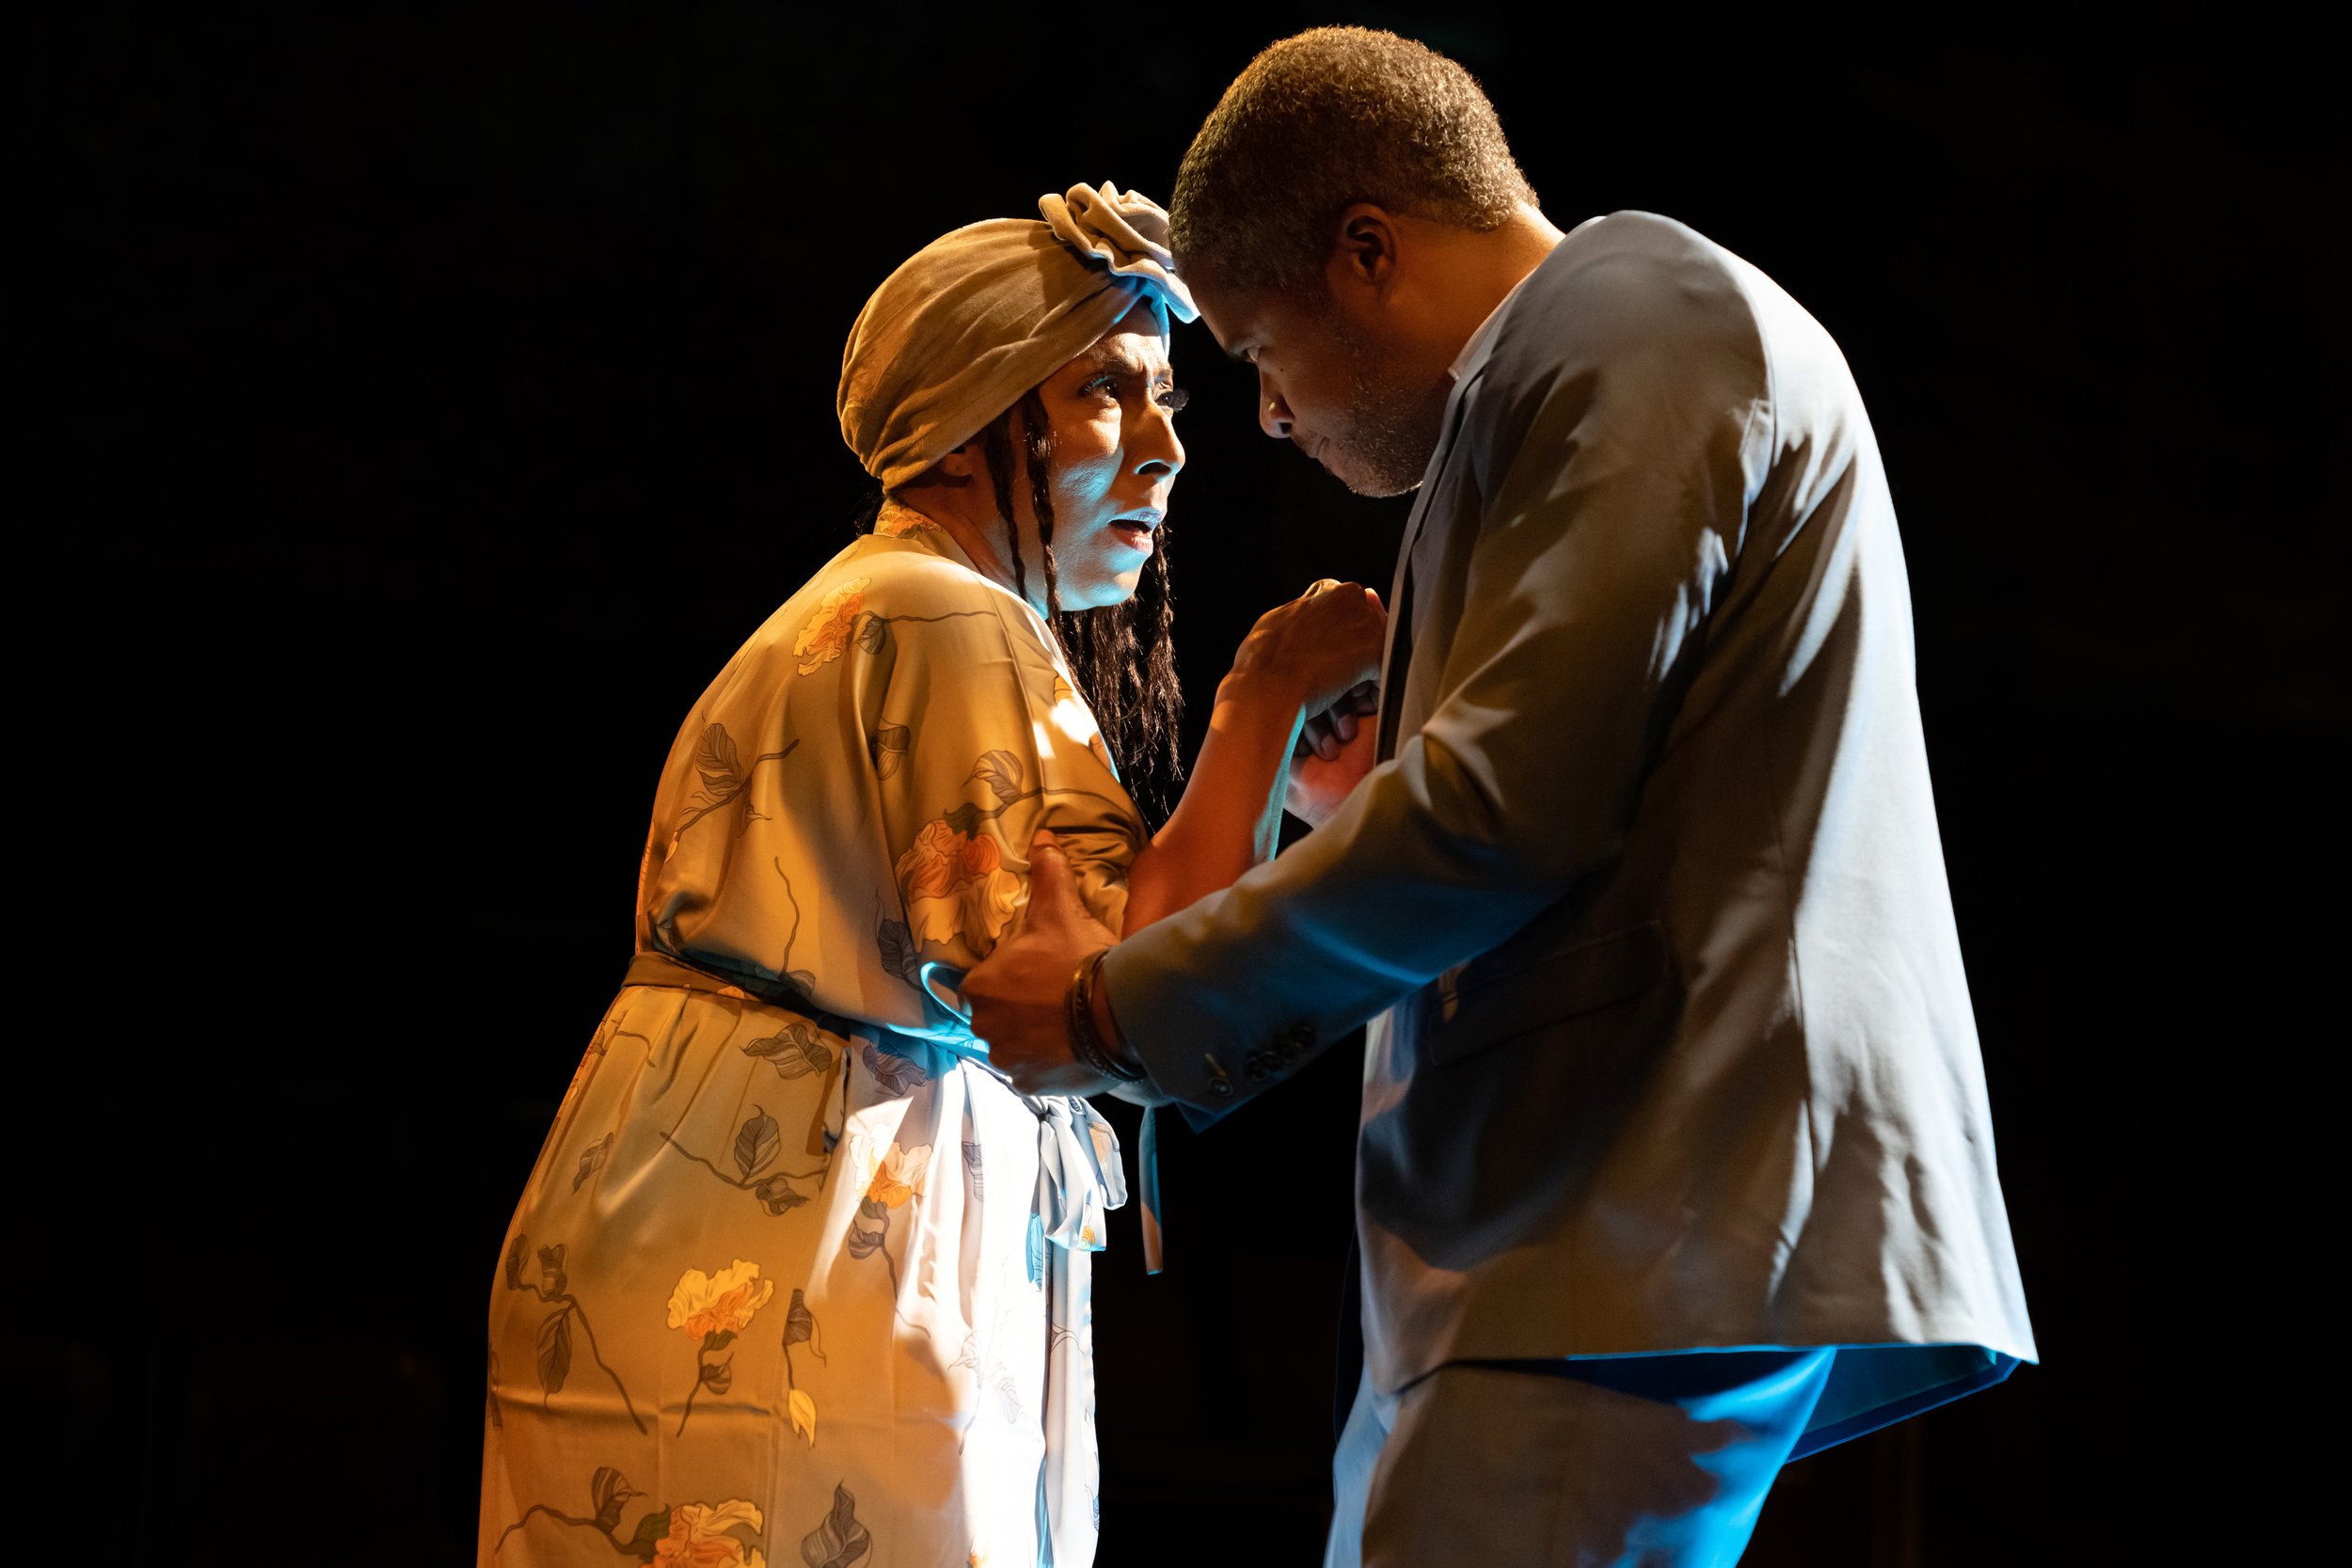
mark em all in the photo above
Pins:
pixel 1099 384
pixel 1174 397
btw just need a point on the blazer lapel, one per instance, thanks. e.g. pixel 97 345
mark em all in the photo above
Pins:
pixel 1399 651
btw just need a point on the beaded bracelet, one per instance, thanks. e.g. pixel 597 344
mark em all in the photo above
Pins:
pixel 1086 1041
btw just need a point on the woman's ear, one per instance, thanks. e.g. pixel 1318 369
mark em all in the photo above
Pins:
pixel 962 466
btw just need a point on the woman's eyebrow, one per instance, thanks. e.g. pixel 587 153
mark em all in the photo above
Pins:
pixel 1123 362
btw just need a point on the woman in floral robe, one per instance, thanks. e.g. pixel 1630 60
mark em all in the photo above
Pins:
pixel 796 1276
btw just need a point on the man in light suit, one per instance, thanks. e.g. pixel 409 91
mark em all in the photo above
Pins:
pixel 1675 1160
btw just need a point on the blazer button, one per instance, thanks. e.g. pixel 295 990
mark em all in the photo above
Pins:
pixel 1220 1085
pixel 1261 1064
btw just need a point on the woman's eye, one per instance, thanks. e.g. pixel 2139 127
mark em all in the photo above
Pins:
pixel 1174 397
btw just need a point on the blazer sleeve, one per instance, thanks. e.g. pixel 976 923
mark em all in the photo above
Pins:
pixel 1615 463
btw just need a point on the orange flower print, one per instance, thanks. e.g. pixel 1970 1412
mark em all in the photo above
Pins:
pixel 698 1537
pixel 827 635
pixel 956 887
pixel 899 1175
pixel 704 1304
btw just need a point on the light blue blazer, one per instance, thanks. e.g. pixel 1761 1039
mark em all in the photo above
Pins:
pixel 1671 1045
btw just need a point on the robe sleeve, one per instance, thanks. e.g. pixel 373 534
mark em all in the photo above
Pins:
pixel 977 738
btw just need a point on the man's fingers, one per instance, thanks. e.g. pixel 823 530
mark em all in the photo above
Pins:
pixel 1053 901
pixel 1315 736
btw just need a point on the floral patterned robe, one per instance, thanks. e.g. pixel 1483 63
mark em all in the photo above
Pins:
pixel 793 1280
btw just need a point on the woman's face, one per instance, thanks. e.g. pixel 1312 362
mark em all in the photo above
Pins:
pixel 1113 414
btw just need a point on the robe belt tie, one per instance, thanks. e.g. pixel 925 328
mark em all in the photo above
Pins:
pixel 1079 1172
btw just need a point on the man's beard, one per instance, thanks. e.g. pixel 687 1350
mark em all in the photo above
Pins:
pixel 1394 427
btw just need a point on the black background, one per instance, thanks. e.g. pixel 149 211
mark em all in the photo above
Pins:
pixel 420 409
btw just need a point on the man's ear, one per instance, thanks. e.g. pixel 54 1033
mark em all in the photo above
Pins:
pixel 1364 250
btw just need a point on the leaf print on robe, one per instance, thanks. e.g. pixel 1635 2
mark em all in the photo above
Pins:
pixel 795 1053
pixel 800 1328
pixel 889 748
pixel 554 1348
pixel 825 635
pixel 897 1076
pixel 757 1144
pixel 726 781
pixel 956 889
pixel 841 1540
pixel 1001 771
pixel 593 1160
pixel 690 1535
pixel 894 943
pixel 713 1309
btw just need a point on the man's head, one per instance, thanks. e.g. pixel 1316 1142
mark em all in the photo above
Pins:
pixel 1346 216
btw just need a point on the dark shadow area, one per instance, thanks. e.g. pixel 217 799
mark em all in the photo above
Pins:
pixel 423 408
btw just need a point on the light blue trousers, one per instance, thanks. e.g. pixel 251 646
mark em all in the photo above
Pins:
pixel 1648 1462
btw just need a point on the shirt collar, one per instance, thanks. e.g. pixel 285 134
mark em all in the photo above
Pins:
pixel 1477 343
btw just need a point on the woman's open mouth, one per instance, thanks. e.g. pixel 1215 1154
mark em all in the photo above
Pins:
pixel 1136 531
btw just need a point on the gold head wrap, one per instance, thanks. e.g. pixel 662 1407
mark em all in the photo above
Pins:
pixel 978 316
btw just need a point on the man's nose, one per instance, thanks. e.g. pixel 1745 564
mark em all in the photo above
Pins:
pixel 1274 414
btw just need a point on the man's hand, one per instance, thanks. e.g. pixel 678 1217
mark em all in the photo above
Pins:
pixel 1325 734
pixel 1017 993
pixel 1323 773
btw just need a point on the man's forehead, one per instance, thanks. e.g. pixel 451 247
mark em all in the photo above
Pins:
pixel 1232 316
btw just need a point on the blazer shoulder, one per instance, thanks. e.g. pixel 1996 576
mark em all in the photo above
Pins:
pixel 1631 283
pixel 1630 311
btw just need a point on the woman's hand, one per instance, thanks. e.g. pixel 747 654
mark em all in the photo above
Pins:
pixel 1301 661
pixel 1317 648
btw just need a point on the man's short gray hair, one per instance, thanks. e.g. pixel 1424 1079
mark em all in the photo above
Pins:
pixel 1322 120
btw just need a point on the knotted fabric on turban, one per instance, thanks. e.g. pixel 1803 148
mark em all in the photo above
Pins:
pixel 977 317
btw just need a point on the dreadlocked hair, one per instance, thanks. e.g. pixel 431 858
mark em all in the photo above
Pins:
pixel 1122 656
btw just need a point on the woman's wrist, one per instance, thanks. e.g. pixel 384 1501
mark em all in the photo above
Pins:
pixel 1261 703
pixel 1259 687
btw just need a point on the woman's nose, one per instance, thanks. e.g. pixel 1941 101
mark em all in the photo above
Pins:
pixel 1163 451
